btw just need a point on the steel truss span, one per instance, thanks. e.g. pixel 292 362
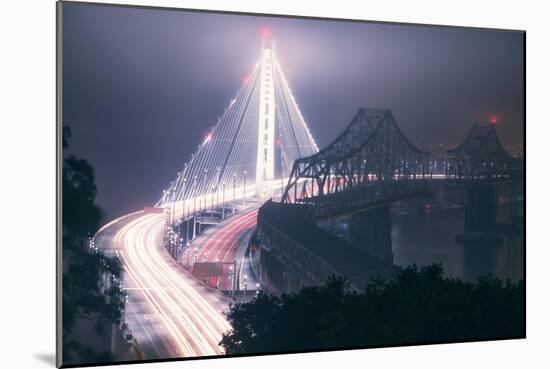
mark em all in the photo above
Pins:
pixel 481 157
pixel 262 129
pixel 372 154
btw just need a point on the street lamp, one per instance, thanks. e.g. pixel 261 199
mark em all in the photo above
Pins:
pixel 194 206
pixel 180 249
pixel 172 205
pixel 223 201
pixel 184 197
pixel 280 145
pixel 187 220
pixel 234 186
pixel 212 200
pixel 217 187
pixel 205 185
pixel 244 188
pixel 231 280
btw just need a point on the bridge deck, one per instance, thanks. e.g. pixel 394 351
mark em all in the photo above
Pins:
pixel 345 259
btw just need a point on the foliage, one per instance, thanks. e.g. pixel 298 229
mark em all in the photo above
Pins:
pixel 84 297
pixel 416 306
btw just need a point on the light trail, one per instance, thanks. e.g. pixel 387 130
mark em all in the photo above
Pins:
pixel 191 324
pixel 222 245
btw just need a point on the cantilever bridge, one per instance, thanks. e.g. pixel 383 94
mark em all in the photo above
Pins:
pixel 478 164
pixel 481 158
pixel 370 161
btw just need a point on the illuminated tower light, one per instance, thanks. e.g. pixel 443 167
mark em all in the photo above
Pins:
pixel 265 158
pixel 265 69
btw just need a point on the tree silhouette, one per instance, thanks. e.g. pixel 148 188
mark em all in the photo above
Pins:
pixel 82 267
pixel 416 306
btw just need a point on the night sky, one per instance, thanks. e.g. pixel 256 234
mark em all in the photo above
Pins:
pixel 142 87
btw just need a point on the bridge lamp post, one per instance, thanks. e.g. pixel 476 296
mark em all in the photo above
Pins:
pixel 212 199
pixel 205 186
pixel 234 187
pixel 186 254
pixel 194 207
pixel 223 201
pixel 244 189
pixel 173 244
pixel 257 289
pixel 167 220
pixel 231 280
pixel 180 249
pixel 172 206
pixel 184 197
pixel 245 287
pixel 186 217
pixel 218 187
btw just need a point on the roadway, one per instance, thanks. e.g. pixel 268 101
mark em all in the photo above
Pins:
pixel 227 242
pixel 169 313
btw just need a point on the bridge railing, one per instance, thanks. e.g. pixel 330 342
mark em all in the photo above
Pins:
pixel 491 174
pixel 339 203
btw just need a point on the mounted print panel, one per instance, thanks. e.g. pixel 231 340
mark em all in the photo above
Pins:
pixel 245 184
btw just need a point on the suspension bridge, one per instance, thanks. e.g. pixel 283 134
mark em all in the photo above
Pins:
pixel 252 146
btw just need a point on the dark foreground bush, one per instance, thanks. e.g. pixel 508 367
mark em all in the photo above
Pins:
pixel 417 306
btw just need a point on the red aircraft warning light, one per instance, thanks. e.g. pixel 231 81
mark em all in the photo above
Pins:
pixel 266 32
pixel 493 120
pixel 208 137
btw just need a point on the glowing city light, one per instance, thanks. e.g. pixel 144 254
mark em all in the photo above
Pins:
pixel 207 138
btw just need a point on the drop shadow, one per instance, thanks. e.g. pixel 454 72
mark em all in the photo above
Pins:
pixel 46 358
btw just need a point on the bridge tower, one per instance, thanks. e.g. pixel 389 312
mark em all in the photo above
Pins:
pixel 265 159
pixel 251 148
pixel 478 164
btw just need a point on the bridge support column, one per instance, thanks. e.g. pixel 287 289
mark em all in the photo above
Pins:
pixel 370 230
pixel 517 192
pixel 480 214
